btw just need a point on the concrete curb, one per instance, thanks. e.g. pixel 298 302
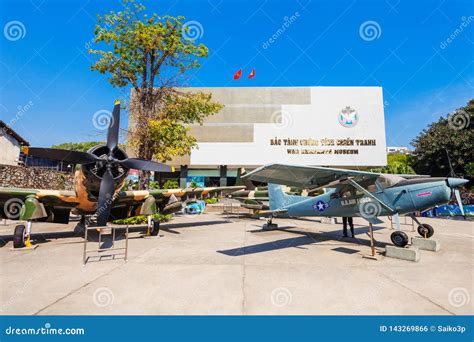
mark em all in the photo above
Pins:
pixel 409 254
pixel 426 244
pixel 23 249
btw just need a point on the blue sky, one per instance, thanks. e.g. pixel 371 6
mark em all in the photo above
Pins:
pixel 47 87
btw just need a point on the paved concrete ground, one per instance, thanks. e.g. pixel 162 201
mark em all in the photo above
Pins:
pixel 205 265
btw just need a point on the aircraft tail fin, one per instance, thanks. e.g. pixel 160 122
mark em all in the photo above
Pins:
pixel 246 182
pixel 280 200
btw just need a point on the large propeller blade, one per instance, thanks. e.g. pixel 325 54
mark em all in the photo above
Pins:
pixel 453 183
pixel 74 157
pixel 106 192
pixel 145 165
pixel 457 194
pixel 114 126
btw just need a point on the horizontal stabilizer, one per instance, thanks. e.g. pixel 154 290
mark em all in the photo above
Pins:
pixel 269 213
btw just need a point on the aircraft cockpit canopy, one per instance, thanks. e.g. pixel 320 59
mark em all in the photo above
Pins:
pixel 387 180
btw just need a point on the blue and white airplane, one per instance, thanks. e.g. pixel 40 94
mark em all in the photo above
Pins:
pixel 351 193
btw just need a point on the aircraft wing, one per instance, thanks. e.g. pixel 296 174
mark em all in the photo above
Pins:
pixel 217 190
pixel 192 192
pixel 269 213
pixel 11 200
pixel 306 176
pixel 163 194
pixel 7 194
pixel 47 197
pixel 169 200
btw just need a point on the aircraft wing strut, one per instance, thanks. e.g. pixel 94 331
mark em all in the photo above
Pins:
pixel 368 194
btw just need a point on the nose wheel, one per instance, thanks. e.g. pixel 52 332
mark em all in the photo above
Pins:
pixel 399 238
pixel 425 230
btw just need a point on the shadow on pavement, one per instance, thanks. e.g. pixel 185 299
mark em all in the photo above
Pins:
pixel 306 238
pixel 120 232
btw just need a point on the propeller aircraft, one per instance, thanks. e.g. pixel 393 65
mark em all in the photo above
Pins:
pixel 98 189
pixel 352 193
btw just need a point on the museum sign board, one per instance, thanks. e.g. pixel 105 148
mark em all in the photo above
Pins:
pixel 336 126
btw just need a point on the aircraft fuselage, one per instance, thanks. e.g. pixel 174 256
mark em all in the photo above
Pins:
pixel 404 199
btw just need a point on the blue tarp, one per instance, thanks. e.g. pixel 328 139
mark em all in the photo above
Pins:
pixel 449 210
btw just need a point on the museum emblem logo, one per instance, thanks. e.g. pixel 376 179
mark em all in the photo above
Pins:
pixel 348 117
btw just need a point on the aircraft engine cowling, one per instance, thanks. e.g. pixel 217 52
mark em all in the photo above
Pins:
pixel 94 172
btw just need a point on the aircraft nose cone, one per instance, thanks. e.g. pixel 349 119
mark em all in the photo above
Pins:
pixel 455 182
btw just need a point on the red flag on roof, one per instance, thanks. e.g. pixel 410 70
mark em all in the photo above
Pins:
pixel 252 74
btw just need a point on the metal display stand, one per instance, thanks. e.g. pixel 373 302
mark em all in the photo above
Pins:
pixel 227 209
pixel 85 256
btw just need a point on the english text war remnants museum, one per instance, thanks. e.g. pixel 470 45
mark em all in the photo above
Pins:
pixel 324 126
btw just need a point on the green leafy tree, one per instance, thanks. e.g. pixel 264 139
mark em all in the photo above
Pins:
pixel 151 54
pixel 470 169
pixel 451 136
pixel 397 163
pixel 80 146
pixel 398 157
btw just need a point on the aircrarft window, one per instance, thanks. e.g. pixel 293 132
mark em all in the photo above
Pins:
pixel 371 188
pixel 387 180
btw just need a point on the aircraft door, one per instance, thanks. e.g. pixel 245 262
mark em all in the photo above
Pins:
pixel 397 197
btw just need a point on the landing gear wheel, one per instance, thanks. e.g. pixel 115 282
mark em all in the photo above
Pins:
pixel 425 230
pixel 19 236
pixel 155 227
pixel 399 239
